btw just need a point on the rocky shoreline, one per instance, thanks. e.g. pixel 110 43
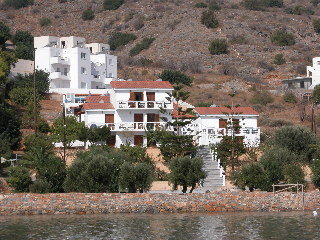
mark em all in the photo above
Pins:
pixel 97 203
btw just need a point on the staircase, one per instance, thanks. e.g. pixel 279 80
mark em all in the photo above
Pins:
pixel 215 174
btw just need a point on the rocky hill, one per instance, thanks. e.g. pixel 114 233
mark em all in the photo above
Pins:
pixel 181 41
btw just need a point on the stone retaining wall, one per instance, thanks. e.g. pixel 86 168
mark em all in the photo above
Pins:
pixel 82 203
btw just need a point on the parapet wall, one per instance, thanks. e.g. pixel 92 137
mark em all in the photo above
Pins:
pixel 88 203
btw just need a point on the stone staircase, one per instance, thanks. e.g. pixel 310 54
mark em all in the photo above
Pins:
pixel 215 177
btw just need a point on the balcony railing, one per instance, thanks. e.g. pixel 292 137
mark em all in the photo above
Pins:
pixel 59 60
pixel 134 126
pixel 58 75
pixel 228 132
pixel 143 105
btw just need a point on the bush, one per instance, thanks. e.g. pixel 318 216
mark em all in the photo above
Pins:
pixel 290 97
pixel 214 6
pixel 4 33
pixel 316 25
pixel 119 39
pixel 209 19
pixel 299 10
pixel 281 155
pixel 203 104
pixel 272 171
pixel 200 5
pixel 279 59
pixel 19 178
pixel 87 15
pixel 21 96
pixel 43 126
pixel 262 97
pixel 186 172
pixel 238 39
pixel 315 2
pixel 295 138
pixel 316 95
pixel 282 38
pixel 316 172
pixel 112 4
pixel 293 174
pixel 16 4
pixel 45 22
pixel 145 44
pixel 40 186
pixel 265 66
pixel 176 77
pixel 24 51
pixel 260 5
pixel 218 46
pixel 274 122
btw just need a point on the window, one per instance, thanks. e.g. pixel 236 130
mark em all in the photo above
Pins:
pixel 302 84
pixel 83 70
pixel 90 49
pixel 310 73
pixel 65 71
pixel 110 61
pixel 58 69
pixel 110 74
pixel 83 55
pixel 63 44
pixel 103 49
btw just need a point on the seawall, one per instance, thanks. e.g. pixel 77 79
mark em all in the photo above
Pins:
pixel 88 203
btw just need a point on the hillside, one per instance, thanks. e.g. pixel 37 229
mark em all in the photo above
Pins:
pixel 181 42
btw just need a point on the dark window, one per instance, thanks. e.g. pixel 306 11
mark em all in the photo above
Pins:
pixel 302 84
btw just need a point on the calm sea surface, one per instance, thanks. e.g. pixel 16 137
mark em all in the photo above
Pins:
pixel 294 225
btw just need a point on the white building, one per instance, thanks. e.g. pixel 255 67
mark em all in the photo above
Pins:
pixel 314 72
pixel 73 64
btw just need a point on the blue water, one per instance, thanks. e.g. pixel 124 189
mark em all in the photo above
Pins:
pixel 229 226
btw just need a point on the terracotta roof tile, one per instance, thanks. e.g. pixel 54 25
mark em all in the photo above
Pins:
pixel 98 99
pixel 141 84
pixel 90 106
pixel 225 110
pixel 182 115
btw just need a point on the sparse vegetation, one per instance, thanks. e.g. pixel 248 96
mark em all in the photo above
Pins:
pixel 176 77
pixel 87 15
pixel 315 2
pixel 282 38
pixel 279 59
pixel 214 5
pixel 218 46
pixel 299 10
pixel 262 97
pixel 119 39
pixel 316 25
pixel 112 4
pixel 45 22
pixel 261 5
pixel 290 97
pixel 16 4
pixel 209 19
pixel 144 44
pixel 200 5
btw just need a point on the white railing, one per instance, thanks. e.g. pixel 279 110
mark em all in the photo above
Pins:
pixel 228 132
pixel 59 75
pixel 59 60
pixel 134 126
pixel 144 105
pixel 222 172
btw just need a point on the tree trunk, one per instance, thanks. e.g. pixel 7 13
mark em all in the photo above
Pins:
pixel 184 188
pixel 192 188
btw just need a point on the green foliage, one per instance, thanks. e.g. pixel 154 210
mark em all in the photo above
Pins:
pixel 187 172
pixel 19 178
pixel 175 77
pixel 316 25
pixel 282 38
pixel 293 174
pixel 4 33
pixel 21 96
pixel 273 172
pixel 6 59
pixel 218 46
pixel 316 94
pixel 299 10
pixel 26 81
pixel 119 39
pixel 138 153
pixel 297 139
pixel 290 97
pixel 112 4
pixel 69 133
pixel 315 2
pixel 316 172
pixel 87 15
pixel 24 44
pixel 214 6
pixel 40 186
pixel 203 104
pixel 16 4
pixel 5 150
pixel 279 59
pixel 282 156
pixel 43 126
pixel 209 19
pixel 260 5
pixel 9 125
pixel 23 52
pixel 200 5
pixel 262 97
pixel 96 134
pixel 145 44
pixel 45 22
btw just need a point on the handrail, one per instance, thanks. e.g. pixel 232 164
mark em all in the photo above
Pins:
pixel 290 186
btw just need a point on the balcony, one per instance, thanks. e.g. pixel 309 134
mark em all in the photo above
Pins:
pixel 58 75
pixel 219 132
pixel 59 60
pixel 135 126
pixel 144 105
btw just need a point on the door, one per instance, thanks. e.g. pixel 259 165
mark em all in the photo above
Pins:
pixel 109 119
pixel 138 140
pixel 112 141
pixel 151 97
pixel 223 124
pixel 138 119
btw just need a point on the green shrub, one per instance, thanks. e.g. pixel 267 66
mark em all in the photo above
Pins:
pixel 262 97
pixel 282 38
pixel 24 44
pixel 24 52
pixel 281 155
pixel 279 59
pixel 316 25
pixel 316 95
pixel 19 178
pixel 214 6
pixel 274 3
pixel 299 10
pixel 209 19
pixel 290 97
pixel 16 4
pixel 270 122
pixel 272 171
pixel 145 44
pixel 203 104
pixel 40 186
pixel 119 39
pixel 87 15
pixel 45 22
pixel 200 5
pixel 112 4
pixel 316 172
pixel 293 174
pixel 218 46
pixel 21 96
pixel 43 126
pixel 260 5
pixel 4 33
pixel 176 77
pixel 315 2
